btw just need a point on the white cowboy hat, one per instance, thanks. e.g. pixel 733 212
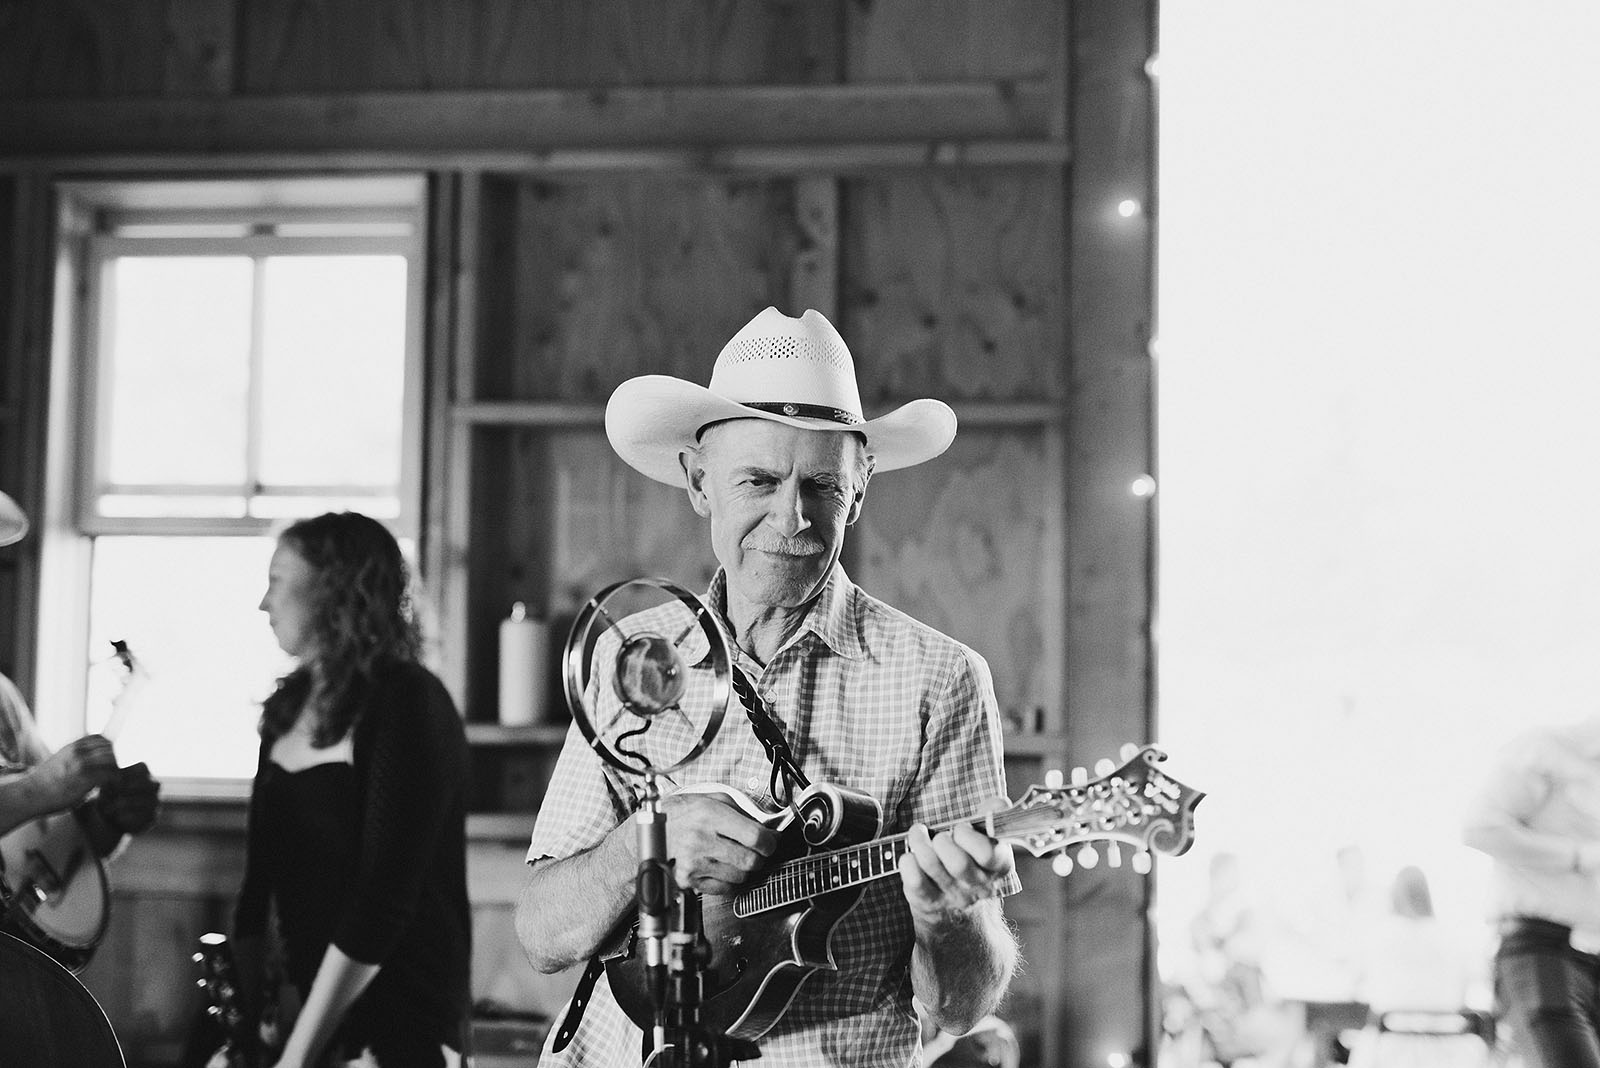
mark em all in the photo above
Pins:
pixel 793 371
pixel 13 524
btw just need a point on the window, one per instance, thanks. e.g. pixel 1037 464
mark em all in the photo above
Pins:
pixel 230 355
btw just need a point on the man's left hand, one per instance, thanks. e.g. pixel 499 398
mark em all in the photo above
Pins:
pixel 951 872
pixel 128 802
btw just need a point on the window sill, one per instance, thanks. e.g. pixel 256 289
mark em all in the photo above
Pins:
pixel 221 810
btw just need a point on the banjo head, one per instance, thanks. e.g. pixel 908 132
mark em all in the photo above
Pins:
pixel 55 889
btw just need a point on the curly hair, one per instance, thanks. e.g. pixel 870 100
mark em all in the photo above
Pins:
pixel 361 614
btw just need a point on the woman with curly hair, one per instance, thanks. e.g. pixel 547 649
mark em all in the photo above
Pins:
pixel 357 825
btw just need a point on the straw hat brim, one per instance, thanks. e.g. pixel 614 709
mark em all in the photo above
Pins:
pixel 650 419
pixel 13 523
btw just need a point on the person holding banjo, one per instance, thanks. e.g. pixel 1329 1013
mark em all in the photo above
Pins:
pixel 36 783
pixel 777 456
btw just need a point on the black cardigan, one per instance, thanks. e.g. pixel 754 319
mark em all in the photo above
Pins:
pixel 401 901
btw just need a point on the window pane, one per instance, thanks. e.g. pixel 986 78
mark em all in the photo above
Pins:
pixel 333 373
pixel 186 606
pixel 144 506
pixel 178 370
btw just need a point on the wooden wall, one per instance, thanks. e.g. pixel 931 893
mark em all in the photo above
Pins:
pixel 618 185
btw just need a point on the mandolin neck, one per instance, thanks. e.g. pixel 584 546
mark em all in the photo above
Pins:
pixel 836 869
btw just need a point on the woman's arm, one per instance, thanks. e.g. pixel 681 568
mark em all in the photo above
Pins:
pixel 340 980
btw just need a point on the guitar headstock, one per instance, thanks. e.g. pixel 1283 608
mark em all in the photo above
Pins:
pixel 217 979
pixel 1137 804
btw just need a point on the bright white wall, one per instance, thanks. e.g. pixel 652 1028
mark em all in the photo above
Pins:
pixel 1379 419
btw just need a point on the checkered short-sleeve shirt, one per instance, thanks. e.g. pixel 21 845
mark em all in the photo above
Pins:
pixel 868 698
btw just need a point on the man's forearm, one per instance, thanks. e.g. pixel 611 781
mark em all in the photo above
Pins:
pixel 962 966
pixel 567 907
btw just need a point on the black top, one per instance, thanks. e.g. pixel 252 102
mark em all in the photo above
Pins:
pixel 372 858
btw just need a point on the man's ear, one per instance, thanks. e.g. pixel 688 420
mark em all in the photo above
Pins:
pixel 694 480
pixel 860 496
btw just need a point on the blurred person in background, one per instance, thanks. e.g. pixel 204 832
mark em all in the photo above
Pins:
pixel 36 781
pixel 1538 819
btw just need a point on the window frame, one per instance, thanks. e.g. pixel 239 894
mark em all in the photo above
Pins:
pixel 86 211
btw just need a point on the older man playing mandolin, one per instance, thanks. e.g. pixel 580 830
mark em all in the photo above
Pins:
pixel 776 456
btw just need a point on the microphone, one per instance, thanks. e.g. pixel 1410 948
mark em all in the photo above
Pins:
pixel 654 886
pixel 650 676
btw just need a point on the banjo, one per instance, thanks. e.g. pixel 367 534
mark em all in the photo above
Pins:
pixel 53 888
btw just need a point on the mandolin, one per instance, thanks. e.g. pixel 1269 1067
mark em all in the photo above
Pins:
pixel 772 935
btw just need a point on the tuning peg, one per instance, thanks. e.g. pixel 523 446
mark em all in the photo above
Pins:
pixel 1114 855
pixel 1141 862
pixel 1129 751
pixel 1080 776
pixel 1087 856
pixel 198 957
pixel 200 983
pixel 1061 864
pixel 1104 766
pixel 1053 779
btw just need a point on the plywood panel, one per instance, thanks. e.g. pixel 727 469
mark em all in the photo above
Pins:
pixel 561 518
pixel 918 40
pixel 953 285
pixel 315 45
pixel 88 48
pixel 622 277
pixel 199 47
pixel 613 524
pixel 969 544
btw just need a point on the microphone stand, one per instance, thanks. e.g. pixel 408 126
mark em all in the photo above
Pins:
pixel 675 954
pixel 655 891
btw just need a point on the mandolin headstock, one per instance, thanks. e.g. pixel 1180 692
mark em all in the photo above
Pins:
pixel 1137 805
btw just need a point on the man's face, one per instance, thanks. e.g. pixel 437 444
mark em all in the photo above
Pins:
pixel 779 499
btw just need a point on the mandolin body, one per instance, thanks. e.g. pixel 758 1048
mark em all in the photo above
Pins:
pixel 759 959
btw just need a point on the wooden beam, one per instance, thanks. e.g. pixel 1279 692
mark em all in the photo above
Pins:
pixel 1109 986
pixel 820 159
pixel 529 120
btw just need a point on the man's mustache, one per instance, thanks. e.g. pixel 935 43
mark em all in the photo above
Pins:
pixel 784 546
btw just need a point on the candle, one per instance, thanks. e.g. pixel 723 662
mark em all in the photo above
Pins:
pixel 524 649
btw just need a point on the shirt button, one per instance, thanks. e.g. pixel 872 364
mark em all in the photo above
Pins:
pixel 753 782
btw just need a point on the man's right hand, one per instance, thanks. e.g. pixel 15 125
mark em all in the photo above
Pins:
pixel 67 776
pixel 714 847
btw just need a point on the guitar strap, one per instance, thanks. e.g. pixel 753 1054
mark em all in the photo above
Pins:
pixel 771 739
pixel 579 1002
pixel 783 764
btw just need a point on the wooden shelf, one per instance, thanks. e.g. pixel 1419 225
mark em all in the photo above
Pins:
pixel 500 826
pixel 545 734
pixel 521 413
pixel 1034 744
pixel 528 413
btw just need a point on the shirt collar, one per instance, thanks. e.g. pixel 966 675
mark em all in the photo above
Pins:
pixel 834 617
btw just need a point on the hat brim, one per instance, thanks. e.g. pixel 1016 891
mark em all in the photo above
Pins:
pixel 652 418
pixel 13 523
